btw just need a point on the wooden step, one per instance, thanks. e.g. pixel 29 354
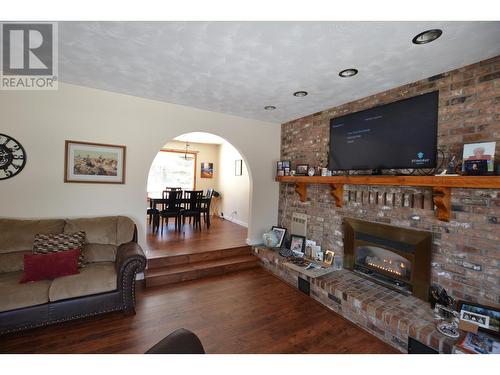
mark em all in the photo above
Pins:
pixel 184 272
pixel 163 261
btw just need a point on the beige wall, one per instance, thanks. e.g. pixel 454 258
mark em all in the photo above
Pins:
pixel 235 190
pixel 43 120
pixel 205 153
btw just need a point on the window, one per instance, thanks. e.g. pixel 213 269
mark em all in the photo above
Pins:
pixel 173 169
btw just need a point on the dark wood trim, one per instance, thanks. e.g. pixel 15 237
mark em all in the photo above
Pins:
pixel 441 186
pixel 479 182
pixel 66 149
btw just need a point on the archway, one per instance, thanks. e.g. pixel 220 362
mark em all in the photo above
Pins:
pixel 203 162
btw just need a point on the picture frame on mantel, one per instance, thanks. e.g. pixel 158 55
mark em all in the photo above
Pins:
pixel 98 163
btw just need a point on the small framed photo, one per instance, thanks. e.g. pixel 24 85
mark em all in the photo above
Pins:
pixel 94 163
pixel 308 251
pixel 487 318
pixel 283 168
pixel 329 255
pixel 302 169
pixel 280 233
pixel 297 243
pixel 476 155
pixel 238 167
pixel 207 170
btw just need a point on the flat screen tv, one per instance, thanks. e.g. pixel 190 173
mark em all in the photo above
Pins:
pixel 399 135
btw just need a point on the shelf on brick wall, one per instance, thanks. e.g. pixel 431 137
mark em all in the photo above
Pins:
pixel 441 186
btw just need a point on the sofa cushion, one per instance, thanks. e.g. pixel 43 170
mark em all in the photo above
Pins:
pixel 54 243
pixel 15 296
pixel 18 234
pixel 94 278
pixel 101 230
pixel 11 262
pixel 94 252
pixel 50 266
pixel 125 230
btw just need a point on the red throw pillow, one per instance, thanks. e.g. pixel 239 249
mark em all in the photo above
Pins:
pixel 49 266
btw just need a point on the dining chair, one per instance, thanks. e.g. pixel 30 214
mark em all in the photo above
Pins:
pixel 192 207
pixel 171 207
pixel 205 207
pixel 152 213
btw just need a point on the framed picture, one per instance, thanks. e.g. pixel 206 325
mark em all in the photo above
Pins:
pixel 476 154
pixel 297 243
pixel 238 167
pixel 301 169
pixel 207 170
pixel 94 163
pixel 485 317
pixel 308 252
pixel 329 255
pixel 283 168
pixel 280 233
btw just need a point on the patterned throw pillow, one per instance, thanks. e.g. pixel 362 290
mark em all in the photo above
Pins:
pixel 53 243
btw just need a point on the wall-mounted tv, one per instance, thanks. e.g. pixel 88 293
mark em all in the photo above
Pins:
pixel 399 135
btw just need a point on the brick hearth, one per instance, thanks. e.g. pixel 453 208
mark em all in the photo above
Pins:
pixel 389 315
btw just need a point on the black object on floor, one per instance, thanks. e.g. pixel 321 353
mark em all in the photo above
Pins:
pixel 181 341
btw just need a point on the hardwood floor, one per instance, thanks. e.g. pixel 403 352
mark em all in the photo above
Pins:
pixel 245 312
pixel 222 234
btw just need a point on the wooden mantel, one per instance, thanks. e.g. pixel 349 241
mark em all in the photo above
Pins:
pixel 441 186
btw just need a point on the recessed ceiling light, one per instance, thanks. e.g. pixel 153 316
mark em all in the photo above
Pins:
pixel 300 94
pixel 427 36
pixel 269 107
pixel 348 72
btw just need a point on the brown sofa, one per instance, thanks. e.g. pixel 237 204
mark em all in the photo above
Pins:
pixel 106 283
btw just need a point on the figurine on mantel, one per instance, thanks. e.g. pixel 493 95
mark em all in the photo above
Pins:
pixel 452 165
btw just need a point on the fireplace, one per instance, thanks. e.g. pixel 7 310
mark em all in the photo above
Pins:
pixel 397 258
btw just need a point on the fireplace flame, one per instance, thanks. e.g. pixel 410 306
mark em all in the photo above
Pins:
pixel 385 268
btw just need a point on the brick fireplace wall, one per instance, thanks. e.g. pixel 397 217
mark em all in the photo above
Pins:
pixel 466 250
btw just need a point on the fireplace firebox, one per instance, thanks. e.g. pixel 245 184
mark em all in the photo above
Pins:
pixel 395 257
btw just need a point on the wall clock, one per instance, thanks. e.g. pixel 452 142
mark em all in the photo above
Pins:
pixel 12 157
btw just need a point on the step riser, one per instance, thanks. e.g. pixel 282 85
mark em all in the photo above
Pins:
pixel 197 257
pixel 198 274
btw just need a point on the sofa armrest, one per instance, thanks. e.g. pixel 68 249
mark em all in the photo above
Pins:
pixel 130 260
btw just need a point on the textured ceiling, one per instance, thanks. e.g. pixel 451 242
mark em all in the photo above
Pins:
pixel 240 67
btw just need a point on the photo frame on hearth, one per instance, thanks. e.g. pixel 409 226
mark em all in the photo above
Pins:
pixel 297 243
pixel 329 256
pixel 280 234
pixel 487 318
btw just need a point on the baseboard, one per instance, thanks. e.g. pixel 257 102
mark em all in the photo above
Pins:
pixel 236 221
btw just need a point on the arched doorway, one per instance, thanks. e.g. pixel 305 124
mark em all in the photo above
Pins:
pixel 202 162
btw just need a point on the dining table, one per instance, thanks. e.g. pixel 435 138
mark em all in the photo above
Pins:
pixel 155 200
